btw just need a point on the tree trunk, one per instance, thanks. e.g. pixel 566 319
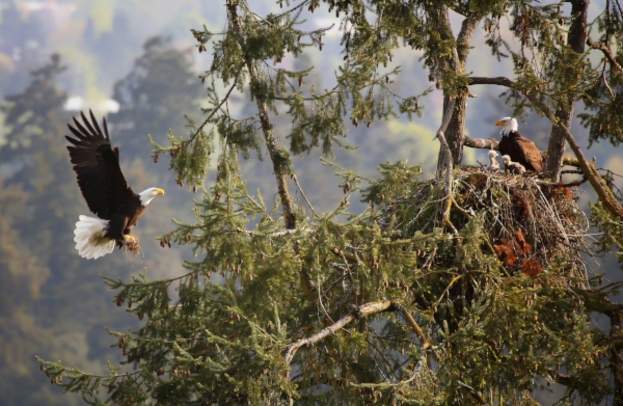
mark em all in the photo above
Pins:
pixel 576 39
pixel 277 155
pixel 455 133
pixel 616 354
pixel 456 128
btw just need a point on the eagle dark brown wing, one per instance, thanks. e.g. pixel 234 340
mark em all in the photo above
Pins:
pixel 522 150
pixel 97 167
pixel 531 155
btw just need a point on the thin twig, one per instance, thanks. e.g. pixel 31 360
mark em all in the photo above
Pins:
pixel 300 188
pixel 217 108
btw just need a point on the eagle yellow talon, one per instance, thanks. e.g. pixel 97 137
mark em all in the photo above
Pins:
pixel 131 243
pixel 129 239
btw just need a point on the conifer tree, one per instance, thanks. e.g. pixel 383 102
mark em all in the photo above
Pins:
pixel 464 289
pixel 151 96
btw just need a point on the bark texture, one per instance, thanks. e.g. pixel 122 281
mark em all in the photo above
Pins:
pixel 455 132
pixel 576 40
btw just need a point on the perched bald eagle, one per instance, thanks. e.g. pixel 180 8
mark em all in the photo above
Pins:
pixel 105 190
pixel 519 148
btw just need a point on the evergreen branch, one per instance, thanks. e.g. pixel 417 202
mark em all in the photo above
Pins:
pixel 216 109
pixel 365 310
pixel 279 157
pixel 280 162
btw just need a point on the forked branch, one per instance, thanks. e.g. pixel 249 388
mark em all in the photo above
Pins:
pixel 363 311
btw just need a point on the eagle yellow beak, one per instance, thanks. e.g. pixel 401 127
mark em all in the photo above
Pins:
pixel 160 192
pixel 500 123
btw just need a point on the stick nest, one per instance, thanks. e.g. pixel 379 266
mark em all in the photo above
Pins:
pixel 531 224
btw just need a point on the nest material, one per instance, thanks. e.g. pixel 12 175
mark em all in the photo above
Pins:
pixel 532 223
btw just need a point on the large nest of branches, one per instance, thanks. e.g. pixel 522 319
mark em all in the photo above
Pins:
pixel 532 225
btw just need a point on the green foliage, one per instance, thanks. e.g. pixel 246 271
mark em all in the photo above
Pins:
pixel 612 237
pixel 225 341
pixel 271 311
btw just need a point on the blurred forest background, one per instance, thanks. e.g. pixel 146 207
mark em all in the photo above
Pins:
pixel 134 61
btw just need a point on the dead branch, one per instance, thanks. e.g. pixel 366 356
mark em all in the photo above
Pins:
pixel 426 343
pixel 480 143
pixel 605 49
pixel 365 310
pixel 302 192
pixel 498 80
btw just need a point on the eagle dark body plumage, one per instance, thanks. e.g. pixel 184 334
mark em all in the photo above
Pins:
pixel 100 178
pixel 521 150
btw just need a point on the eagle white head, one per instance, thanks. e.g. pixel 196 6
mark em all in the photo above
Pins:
pixel 508 124
pixel 149 194
pixel 506 159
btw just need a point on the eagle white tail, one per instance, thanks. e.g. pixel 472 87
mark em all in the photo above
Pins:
pixel 90 239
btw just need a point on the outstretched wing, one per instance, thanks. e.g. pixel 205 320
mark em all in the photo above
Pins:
pixel 97 167
pixel 532 157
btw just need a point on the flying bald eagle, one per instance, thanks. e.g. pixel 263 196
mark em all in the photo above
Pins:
pixel 105 190
pixel 519 148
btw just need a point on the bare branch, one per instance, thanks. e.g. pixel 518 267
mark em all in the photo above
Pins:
pixel 481 143
pixel 497 80
pixel 302 192
pixel 462 40
pixel 605 49
pixel 217 108
pixel 365 310
pixel 426 343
